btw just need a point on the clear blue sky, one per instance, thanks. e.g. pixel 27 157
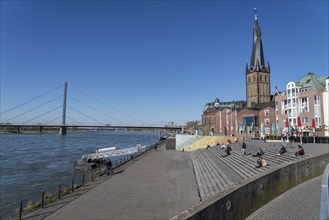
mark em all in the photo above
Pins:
pixel 158 61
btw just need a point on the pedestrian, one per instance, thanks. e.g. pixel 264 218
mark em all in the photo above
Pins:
pixel 259 153
pixel 109 167
pixel 300 151
pixel 244 148
pixel 261 162
pixel 156 146
pixel 290 140
pixel 283 139
pixel 223 147
pixel 228 150
pixel 282 150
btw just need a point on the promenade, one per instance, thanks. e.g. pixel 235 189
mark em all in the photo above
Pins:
pixel 158 186
pixel 161 184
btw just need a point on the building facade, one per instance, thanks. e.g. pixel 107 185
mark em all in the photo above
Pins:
pixel 263 114
pixel 306 99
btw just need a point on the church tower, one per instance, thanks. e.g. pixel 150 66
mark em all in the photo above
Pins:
pixel 257 75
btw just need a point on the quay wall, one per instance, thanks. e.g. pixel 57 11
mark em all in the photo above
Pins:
pixel 193 142
pixel 245 199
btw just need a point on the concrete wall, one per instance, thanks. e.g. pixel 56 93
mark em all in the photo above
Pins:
pixel 193 142
pixel 171 143
pixel 242 201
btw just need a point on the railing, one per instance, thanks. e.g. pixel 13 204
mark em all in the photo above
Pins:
pixel 26 207
pixel 324 209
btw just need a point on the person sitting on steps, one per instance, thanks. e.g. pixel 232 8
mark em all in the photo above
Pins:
pixel 228 150
pixel 259 153
pixel 282 150
pixel 261 162
pixel 300 151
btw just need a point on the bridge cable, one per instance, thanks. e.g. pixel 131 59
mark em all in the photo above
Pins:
pixel 33 109
pixel 75 120
pixel 124 113
pixel 98 110
pixel 85 115
pixel 48 122
pixel 43 114
pixel 31 100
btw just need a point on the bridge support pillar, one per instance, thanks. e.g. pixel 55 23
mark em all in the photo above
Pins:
pixel 18 129
pixel 40 129
pixel 62 130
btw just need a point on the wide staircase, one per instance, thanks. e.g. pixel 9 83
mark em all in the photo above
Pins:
pixel 216 172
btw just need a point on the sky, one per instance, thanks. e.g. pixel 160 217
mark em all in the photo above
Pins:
pixel 147 62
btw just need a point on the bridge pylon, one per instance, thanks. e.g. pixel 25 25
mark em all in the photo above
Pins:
pixel 62 130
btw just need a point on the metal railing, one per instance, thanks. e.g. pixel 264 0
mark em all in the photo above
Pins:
pixel 26 207
pixel 324 203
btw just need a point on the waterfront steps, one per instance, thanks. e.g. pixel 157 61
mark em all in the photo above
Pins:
pixel 215 172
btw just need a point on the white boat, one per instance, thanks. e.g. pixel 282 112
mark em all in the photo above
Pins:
pixel 108 149
pixel 94 160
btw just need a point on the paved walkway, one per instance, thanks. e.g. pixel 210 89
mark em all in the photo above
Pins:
pixel 300 202
pixel 159 186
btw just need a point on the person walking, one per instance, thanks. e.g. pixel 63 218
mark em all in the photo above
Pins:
pixel 109 167
pixel 244 148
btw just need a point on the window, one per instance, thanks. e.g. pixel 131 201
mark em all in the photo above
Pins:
pixel 304 104
pixel 267 121
pixel 316 100
pixel 266 112
pixel 260 77
pixel 267 131
pixel 248 120
pixel 317 122
pixel 305 120
pixel 265 78
pixel 294 121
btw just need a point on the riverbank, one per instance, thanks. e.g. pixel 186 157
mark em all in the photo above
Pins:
pixel 33 163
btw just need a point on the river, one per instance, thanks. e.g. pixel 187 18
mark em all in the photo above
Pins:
pixel 32 163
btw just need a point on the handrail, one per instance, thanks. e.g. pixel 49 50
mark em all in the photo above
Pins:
pixel 324 209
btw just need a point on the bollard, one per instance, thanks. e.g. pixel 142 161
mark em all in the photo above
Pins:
pixel 42 199
pixel 59 192
pixel 72 185
pixel 20 210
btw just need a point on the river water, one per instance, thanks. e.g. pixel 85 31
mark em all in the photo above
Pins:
pixel 32 163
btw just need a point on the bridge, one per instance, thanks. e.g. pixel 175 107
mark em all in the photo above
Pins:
pixel 62 128
pixel 59 112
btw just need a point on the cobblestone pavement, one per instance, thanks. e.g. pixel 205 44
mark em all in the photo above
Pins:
pixel 300 202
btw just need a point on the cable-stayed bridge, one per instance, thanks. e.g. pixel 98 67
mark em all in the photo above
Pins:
pixel 57 109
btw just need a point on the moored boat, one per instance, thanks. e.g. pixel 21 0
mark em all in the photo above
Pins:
pixel 95 160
